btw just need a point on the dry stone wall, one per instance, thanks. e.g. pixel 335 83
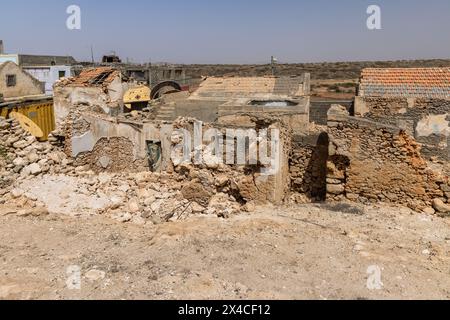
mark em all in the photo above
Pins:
pixel 372 162
pixel 307 166
pixel 427 120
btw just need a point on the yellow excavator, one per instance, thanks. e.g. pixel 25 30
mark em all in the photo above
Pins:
pixel 138 98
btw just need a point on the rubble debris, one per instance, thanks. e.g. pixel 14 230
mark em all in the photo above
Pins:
pixel 39 175
pixel 22 156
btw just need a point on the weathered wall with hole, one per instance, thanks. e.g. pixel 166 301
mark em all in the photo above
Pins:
pixel 318 112
pixel 105 145
pixel 86 133
pixel 427 120
pixel 371 162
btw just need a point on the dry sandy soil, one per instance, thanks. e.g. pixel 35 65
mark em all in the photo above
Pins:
pixel 297 252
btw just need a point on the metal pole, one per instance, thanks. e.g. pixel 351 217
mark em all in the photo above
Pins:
pixel 92 54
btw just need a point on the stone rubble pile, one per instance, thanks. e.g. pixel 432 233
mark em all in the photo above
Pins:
pixel 22 156
pixel 140 198
pixel 153 197
pixel 27 164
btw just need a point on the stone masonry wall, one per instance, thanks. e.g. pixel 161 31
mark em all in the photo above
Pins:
pixel 427 120
pixel 372 162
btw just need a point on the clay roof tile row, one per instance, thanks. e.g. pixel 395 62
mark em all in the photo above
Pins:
pixel 406 82
pixel 93 77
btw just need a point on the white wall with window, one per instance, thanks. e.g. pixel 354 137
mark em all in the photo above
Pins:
pixel 49 75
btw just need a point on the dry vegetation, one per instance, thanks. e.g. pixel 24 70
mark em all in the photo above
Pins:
pixel 319 71
pixel 335 80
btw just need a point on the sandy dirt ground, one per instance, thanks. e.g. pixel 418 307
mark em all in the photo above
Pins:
pixel 297 252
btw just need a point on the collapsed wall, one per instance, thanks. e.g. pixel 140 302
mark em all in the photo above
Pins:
pixel 115 145
pixel 371 162
pixel 252 179
pixel 99 89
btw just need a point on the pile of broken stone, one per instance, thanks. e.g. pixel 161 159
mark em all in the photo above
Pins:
pixel 159 197
pixel 143 197
pixel 22 156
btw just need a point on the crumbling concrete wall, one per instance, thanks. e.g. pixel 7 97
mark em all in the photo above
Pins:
pixel 296 116
pixel 105 100
pixel 89 135
pixel 427 120
pixel 371 162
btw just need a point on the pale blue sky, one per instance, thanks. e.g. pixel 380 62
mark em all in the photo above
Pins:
pixel 233 31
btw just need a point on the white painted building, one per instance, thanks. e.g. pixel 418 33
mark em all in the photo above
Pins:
pixel 49 75
pixel 9 58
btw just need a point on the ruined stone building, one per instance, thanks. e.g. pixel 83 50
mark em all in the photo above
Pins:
pixel 100 89
pixel 395 149
pixel 416 100
pixel 143 140
pixel 217 98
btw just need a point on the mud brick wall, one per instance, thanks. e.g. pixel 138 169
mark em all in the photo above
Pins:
pixel 427 120
pixel 372 162
pixel 307 165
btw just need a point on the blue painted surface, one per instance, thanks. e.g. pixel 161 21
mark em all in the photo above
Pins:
pixel 9 57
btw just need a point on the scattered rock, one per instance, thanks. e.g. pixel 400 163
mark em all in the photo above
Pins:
pixel 249 207
pixel 32 169
pixel 197 208
pixel 429 210
pixel 16 193
pixel 440 206
pixel 133 206
pixel 104 162
pixel 95 275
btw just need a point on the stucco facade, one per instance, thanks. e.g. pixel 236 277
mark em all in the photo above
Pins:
pixel 15 83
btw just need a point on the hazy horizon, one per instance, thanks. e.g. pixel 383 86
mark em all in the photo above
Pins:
pixel 233 32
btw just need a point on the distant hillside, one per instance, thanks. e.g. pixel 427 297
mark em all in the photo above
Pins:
pixel 319 71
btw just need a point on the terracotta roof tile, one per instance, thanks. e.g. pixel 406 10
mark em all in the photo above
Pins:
pixel 406 82
pixel 93 77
